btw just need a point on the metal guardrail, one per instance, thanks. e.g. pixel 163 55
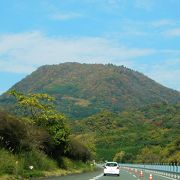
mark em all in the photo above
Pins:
pixel 170 170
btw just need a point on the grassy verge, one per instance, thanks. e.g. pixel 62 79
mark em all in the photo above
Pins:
pixel 17 166
pixel 71 167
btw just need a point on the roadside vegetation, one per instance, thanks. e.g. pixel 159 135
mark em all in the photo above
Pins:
pixel 36 140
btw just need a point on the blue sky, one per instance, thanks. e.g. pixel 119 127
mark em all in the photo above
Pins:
pixel 141 34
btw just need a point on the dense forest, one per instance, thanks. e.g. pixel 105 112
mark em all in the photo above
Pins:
pixel 149 134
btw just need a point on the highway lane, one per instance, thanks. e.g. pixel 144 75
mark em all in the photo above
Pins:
pixel 98 175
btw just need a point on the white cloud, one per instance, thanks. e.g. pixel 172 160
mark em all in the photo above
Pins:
pixel 108 2
pixel 162 22
pixel 65 16
pixel 107 5
pixel 170 52
pixel 1 92
pixel 172 32
pixel 144 4
pixel 23 52
pixel 15 68
pixel 166 73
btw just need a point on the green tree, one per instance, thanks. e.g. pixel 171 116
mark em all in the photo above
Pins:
pixel 119 156
pixel 39 108
pixel 33 105
pixel 150 155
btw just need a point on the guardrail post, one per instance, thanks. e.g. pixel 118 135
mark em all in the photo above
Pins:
pixel 178 170
pixel 172 173
pixel 170 169
pixel 167 169
pixel 175 174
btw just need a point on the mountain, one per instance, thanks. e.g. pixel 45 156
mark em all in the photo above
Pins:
pixel 82 90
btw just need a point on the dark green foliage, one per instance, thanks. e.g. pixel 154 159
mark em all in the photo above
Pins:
pixel 19 135
pixel 82 90
pixel 13 134
pixel 78 151
pixel 67 89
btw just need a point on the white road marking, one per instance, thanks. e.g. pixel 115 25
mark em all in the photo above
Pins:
pixel 134 176
pixel 160 175
pixel 97 177
pixel 156 175
pixel 165 177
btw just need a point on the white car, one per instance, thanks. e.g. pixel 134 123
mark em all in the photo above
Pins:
pixel 111 168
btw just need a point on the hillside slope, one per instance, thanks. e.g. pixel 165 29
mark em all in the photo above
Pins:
pixel 84 89
pixel 156 127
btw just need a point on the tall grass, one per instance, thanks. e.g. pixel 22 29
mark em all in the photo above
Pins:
pixel 7 162
pixel 76 165
pixel 19 165
pixel 38 160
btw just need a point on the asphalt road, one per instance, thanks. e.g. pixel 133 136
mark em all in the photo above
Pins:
pixel 98 175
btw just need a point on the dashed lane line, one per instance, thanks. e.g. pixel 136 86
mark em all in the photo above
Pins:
pixel 97 177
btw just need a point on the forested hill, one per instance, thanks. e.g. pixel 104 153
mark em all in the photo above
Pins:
pixel 85 89
pixel 149 134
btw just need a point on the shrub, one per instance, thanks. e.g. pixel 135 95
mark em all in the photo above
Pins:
pixel 70 164
pixel 78 151
pixel 19 135
pixel 66 163
pixel 13 133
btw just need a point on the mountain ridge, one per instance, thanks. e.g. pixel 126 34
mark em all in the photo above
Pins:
pixel 85 89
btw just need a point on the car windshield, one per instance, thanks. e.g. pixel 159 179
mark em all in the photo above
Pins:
pixel 111 164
